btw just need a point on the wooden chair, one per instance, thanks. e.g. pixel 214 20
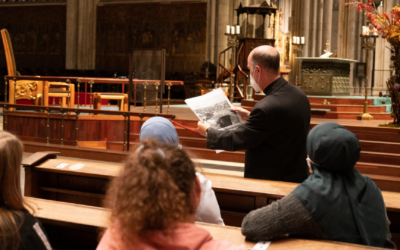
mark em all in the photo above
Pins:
pixel 62 90
pixel 20 90
pixel 121 97
pixel 36 91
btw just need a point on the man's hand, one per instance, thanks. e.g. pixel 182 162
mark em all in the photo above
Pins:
pixel 242 112
pixel 202 127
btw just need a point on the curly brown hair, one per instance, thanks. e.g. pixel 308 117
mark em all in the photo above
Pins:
pixel 154 190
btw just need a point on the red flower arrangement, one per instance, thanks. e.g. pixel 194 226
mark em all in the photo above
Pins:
pixel 388 26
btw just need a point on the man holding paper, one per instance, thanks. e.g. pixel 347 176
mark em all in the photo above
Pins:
pixel 274 134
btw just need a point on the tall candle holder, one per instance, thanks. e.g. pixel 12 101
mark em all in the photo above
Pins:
pixel 298 43
pixel 367 45
pixel 233 37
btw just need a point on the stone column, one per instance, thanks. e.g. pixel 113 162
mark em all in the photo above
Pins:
pixel 320 28
pixel 327 23
pixel 342 29
pixel 223 21
pixel 382 56
pixel 313 30
pixel 305 25
pixel 81 34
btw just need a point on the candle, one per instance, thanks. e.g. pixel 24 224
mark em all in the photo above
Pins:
pixel 294 40
pixel 365 30
pixel 238 29
pixel 228 29
pixel 302 40
pixel 232 30
pixel 297 40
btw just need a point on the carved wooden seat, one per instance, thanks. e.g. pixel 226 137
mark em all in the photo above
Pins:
pixel 20 90
pixel 121 97
pixel 36 91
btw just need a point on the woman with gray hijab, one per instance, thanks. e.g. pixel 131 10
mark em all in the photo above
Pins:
pixel 162 130
pixel 335 203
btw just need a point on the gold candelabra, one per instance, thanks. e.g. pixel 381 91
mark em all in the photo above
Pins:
pixel 233 41
pixel 367 45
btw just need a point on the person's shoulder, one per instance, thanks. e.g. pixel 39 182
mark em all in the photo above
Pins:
pixel 221 245
pixel 33 234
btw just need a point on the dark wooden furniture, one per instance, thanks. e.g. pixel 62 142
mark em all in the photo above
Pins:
pixel 248 45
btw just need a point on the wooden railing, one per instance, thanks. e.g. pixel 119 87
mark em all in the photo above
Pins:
pixel 76 112
pixel 93 80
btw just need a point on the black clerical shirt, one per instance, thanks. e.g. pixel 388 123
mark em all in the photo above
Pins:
pixel 274 136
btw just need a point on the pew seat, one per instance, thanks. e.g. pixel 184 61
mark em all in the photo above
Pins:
pixel 85 182
pixel 73 226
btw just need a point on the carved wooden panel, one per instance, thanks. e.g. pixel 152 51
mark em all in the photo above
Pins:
pixel 180 28
pixel 38 35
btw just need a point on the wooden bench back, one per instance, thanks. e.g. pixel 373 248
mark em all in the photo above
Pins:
pixel 73 226
pixel 85 182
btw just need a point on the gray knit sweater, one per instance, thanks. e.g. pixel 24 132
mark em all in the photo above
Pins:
pixel 287 216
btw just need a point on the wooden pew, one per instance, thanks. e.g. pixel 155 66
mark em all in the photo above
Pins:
pixel 377 172
pixel 118 155
pixel 236 195
pixel 72 226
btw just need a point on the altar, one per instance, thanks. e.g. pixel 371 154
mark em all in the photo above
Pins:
pixel 325 76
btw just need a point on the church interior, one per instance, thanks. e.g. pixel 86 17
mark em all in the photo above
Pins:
pixel 81 77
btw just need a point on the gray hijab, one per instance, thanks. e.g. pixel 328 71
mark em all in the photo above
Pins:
pixel 160 129
pixel 347 206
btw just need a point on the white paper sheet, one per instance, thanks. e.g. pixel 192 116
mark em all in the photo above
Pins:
pixel 262 245
pixel 215 109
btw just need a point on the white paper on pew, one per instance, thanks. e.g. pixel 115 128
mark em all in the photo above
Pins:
pixel 262 245
pixel 62 165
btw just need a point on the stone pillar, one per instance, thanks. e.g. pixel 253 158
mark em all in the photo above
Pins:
pixel 382 56
pixel 342 29
pixel 223 21
pixel 327 23
pixel 81 34
pixel 305 25
pixel 320 28
pixel 313 31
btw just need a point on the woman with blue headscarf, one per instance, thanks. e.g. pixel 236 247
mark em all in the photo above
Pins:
pixel 335 203
pixel 162 130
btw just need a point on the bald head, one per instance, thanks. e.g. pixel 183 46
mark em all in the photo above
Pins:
pixel 267 57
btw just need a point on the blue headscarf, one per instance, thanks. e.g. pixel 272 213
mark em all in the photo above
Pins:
pixel 161 129
pixel 346 205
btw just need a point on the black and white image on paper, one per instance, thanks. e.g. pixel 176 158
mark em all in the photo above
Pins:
pixel 215 108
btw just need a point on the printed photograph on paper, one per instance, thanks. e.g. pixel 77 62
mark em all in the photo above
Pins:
pixel 215 108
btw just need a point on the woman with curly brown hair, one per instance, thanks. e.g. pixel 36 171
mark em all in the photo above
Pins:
pixel 161 129
pixel 153 203
pixel 18 228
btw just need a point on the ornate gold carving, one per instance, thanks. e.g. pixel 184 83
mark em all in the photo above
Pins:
pixel 26 90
